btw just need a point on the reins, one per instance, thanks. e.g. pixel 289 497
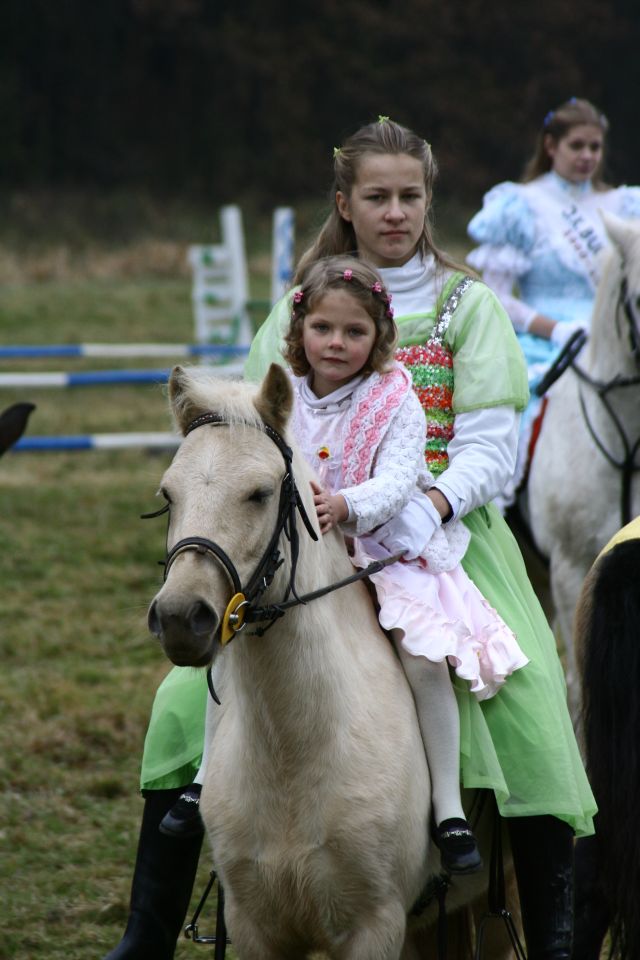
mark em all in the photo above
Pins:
pixel 627 463
pixel 567 359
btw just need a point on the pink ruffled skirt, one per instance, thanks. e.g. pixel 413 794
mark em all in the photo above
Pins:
pixel 443 615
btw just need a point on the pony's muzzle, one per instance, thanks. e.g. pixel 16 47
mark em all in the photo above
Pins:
pixel 187 633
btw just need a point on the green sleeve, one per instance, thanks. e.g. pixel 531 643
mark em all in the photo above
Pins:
pixel 489 368
pixel 265 347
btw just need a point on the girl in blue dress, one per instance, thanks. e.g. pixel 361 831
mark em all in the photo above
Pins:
pixel 542 242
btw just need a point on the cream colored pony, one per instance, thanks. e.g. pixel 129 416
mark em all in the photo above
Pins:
pixel 317 795
pixel 577 489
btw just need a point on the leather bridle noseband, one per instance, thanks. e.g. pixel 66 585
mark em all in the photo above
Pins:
pixel 243 607
pixel 567 358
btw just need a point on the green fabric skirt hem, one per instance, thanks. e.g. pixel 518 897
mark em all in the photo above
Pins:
pixel 177 778
pixel 521 741
pixel 173 744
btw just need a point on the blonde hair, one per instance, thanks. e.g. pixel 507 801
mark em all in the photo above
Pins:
pixel 557 124
pixel 337 235
pixel 360 281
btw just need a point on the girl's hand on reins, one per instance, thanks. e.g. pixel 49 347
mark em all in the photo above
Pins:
pixel 331 509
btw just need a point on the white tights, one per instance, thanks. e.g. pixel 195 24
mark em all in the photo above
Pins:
pixel 440 727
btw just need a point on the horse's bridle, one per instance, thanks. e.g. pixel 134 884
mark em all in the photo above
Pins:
pixel 243 607
pixel 568 359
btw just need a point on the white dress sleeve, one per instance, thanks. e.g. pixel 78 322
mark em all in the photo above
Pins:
pixel 505 230
pixel 482 457
pixel 398 462
pixel 502 284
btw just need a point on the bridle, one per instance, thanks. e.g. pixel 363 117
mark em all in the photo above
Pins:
pixel 244 606
pixel 626 464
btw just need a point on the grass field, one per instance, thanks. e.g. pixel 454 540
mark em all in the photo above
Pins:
pixel 78 568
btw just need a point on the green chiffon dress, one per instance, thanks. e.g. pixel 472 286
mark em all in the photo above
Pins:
pixel 519 743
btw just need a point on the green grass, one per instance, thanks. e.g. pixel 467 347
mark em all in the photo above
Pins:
pixel 77 570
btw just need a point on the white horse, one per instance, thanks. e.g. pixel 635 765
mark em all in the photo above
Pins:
pixel 583 482
pixel 316 799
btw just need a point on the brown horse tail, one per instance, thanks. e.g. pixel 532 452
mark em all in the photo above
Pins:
pixel 608 638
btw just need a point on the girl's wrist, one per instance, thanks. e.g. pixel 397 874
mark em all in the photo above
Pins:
pixel 339 508
pixel 441 504
pixel 542 326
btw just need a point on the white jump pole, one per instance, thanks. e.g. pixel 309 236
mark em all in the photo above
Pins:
pixel 282 255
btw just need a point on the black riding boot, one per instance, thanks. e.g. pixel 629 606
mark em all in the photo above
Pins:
pixel 543 857
pixel 162 883
pixel 592 913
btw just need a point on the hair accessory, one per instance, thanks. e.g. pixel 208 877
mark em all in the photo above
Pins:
pixel 377 287
pixel 573 99
pixel 382 119
pixel 336 152
pixel 347 275
pixel 298 296
pixel 549 117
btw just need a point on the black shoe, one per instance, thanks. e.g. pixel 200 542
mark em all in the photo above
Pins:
pixel 458 848
pixel 183 819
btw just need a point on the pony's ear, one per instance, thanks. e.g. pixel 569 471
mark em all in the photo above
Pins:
pixel 621 232
pixel 183 406
pixel 274 400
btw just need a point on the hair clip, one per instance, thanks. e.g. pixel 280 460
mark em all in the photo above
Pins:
pixel 336 152
pixel 347 275
pixel 377 287
pixel 549 117
pixel 382 119
pixel 298 296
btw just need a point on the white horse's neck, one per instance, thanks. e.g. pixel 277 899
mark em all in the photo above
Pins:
pixel 297 682
pixel 608 352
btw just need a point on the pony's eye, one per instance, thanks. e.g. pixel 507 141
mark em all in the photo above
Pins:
pixel 261 495
pixel 157 513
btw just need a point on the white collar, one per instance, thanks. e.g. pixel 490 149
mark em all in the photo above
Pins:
pixel 577 190
pixel 415 273
pixel 333 401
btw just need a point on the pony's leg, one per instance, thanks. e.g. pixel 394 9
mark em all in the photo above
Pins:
pixel 566 581
pixel 440 727
pixel 422 941
pixel 381 939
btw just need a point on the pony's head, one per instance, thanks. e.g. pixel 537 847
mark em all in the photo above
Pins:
pixel 618 297
pixel 224 496
pixel 625 237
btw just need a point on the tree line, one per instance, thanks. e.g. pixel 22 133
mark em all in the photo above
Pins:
pixel 228 98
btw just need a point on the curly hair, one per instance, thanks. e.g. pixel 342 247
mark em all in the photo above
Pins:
pixel 363 283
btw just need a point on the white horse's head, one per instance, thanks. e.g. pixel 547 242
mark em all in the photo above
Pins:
pixel 620 287
pixel 224 491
